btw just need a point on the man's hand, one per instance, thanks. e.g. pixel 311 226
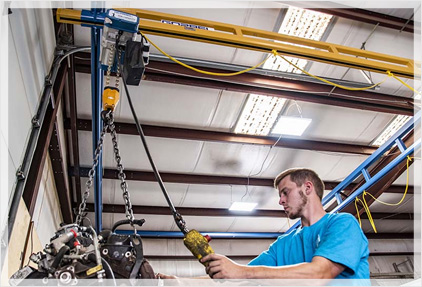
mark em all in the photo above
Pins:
pixel 221 267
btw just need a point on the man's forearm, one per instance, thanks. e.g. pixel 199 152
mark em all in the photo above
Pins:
pixel 299 271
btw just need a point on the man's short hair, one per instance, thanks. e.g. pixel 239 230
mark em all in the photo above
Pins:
pixel 299 176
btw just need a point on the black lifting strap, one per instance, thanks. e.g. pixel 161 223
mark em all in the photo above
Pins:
pixel 137 245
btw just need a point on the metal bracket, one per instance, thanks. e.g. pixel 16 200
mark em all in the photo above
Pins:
pixel 20 174
pixel 48 81
pixel 35 122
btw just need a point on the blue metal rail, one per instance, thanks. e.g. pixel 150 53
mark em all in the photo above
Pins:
pixel 220 235
pixel 362 169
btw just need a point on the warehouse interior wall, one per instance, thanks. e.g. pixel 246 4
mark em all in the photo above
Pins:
pixel 31 44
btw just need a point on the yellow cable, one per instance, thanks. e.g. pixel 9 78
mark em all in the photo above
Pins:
pixel 274 53
pixel 331 83
pixel 202 71
pixel 405 191
pixel 366 207
pixel 368 212
pixel 357 211
pixel 406 85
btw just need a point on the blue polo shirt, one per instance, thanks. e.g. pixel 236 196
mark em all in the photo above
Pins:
pixel 337 237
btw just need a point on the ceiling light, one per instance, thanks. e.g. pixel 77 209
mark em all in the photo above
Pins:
pixel 300 23
pixel 259 114
pixel 391 129
pixel 243 206
pixel 293 126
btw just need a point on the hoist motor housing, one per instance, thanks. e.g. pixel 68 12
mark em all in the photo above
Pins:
pixel 116 22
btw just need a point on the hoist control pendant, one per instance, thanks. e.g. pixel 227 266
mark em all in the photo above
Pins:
pixel 111 97
pixel 197 244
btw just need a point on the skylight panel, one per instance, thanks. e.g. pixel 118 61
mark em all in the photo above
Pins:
pixel 300 23
pixel 259 114
pixel 398 122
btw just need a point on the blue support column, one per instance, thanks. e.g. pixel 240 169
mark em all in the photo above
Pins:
pixel 96 92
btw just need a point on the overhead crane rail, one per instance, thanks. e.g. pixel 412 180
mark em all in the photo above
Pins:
pixel 187 28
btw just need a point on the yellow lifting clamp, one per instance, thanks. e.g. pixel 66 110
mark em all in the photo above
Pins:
pixel 111 97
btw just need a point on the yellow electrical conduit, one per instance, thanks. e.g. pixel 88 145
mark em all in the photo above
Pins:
pixel 275 54
pixel 366 207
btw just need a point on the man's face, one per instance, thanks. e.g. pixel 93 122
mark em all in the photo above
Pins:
pixel 292 198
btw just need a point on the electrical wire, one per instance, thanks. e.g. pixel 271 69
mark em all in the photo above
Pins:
pixel 275 54
pixel 178 218
pixel 305 91
pixel 366 206
pixel 331 83
pixel 203 71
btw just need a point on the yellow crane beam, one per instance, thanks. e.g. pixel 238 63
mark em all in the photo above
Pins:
pixel 174 26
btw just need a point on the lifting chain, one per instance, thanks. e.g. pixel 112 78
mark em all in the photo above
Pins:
pixel 91 174
pixel 120 168
pixel 108 118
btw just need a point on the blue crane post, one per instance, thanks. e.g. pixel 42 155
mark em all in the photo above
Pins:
pixel 96 93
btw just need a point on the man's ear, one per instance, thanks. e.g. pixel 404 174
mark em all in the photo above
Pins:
pixel 308 187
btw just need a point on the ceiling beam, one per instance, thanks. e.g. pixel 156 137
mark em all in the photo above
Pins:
pixel 203 135
pixel 72 122
pixel 370 17
pixel 34 175
pixel 224 212
pixel 293 89
pixel 373 236
pixel 59 173
pixel 206 179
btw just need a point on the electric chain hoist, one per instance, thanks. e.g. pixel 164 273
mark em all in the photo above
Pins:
pixel 77 252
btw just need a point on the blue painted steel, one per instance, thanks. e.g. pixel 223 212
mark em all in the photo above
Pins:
pixel 178 234
pixel 368 162
pixel 366 174
pixel 401 145
pixel 379 175
pixel 338 198
pixel 96 93
pixel 92 18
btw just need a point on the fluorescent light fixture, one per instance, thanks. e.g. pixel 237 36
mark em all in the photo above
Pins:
pixel 259 115
pixel 293 126
pixel 243 206
pixel 391 129
pixel 302 23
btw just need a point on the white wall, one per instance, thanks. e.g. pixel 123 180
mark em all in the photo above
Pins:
pixel 30 41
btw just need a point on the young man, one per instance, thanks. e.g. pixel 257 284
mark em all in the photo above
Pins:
pixel 326 246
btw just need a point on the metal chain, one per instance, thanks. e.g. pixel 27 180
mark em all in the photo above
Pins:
pixel 91 174
pixel 110 64
pixel 119 55
pixel 120 168
pixel 109 124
